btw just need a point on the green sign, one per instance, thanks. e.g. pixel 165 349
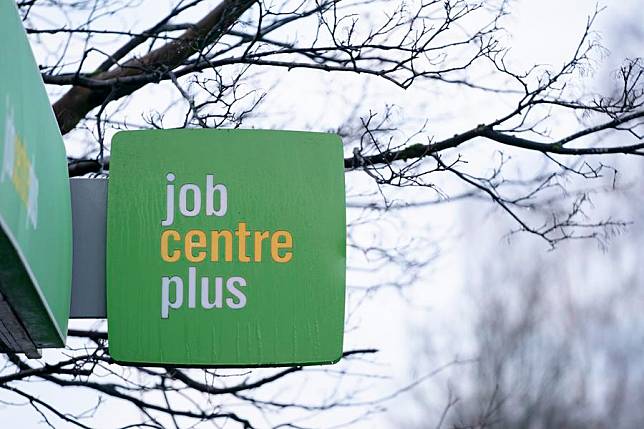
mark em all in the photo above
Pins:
pixel 226 247
pixel 35 208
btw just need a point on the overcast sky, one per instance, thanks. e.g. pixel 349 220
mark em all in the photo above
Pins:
pixel 542 32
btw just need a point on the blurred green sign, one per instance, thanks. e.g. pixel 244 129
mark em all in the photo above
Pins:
pixel 35 211
pixel 226 247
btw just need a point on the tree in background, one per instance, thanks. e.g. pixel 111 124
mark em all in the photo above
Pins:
pixel 537 150
pixel 549 340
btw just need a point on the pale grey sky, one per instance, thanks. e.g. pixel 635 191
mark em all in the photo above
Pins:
pixel 543 32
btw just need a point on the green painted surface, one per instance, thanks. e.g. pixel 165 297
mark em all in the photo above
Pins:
pixel 291 309
pixel 35 208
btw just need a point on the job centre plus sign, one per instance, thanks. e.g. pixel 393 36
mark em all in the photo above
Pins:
pixel 226 247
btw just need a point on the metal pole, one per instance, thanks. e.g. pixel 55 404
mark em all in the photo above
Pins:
pixel 89 219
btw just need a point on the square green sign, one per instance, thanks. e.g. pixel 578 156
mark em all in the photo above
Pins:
pixel 226 247
pixel 35 204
